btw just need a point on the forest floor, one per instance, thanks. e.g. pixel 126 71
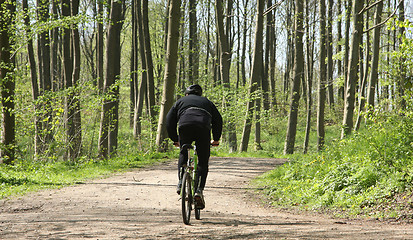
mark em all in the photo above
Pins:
pixel 143 204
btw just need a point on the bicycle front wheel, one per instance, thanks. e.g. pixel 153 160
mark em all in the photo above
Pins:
pixel 197 213
pixel 186 198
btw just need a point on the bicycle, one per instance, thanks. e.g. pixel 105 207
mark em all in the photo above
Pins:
pixel 190 182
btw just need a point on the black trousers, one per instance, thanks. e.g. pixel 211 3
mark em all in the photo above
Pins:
pixel 202 138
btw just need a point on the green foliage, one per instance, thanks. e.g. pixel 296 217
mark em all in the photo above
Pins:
pixel 354 174
pixel 29 175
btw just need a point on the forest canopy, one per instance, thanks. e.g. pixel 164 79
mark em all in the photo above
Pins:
pixel 94 79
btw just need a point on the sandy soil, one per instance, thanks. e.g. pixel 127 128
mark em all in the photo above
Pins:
pixel 143 205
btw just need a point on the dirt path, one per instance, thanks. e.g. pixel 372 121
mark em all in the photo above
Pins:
pixel 143 205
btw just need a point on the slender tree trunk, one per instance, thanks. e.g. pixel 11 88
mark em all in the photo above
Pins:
pixel 133 64
pixel 77 120
pixel 143 86
pixel 7 81
pixel 364 78
pixel 402 68
pixel 346 46
pixel 310 63
pixel 257 143
pixel 54 48
pixel 181 53
pixel 244 45
pixel 68 70
pixel 108 139
pixel 273 62
pixel 376 54
pixel 330 70
pixel 34 80
pixel 225 60
pixel 339 48
pixel 208 40
pixel 268 49
pixel 256 75
pixel 100 46
pixel 298 76
pixel 353 68
pixel 268 58
pixel 43 50
pixel 322 80
pixel 193 57
pixel 289 52
pixel 170 72
pixel 149 61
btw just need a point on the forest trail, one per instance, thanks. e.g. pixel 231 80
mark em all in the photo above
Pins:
pixel 143 204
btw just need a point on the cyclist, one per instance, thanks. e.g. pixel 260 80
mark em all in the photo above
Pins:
pixel 196 116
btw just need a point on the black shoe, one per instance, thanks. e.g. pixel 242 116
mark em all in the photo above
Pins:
pixel 199 200
pixel 178 188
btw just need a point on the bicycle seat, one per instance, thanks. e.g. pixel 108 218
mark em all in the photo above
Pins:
pixel 187 146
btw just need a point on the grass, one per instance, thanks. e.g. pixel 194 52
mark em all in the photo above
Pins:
pixel 26 176
pixel 360 175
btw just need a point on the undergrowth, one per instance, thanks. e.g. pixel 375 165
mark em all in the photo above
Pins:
pixel 31 175
pixel 363 175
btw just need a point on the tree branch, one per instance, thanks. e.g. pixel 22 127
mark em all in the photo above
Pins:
pixel 387 19
pixel 275 5
pixel 368 7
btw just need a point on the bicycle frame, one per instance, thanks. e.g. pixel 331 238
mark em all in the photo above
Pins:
pixel 189 185
pixel 192 166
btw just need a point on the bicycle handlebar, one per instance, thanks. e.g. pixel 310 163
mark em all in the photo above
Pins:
pixel 213 143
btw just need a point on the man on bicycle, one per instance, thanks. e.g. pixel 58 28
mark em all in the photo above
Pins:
pixel 196 116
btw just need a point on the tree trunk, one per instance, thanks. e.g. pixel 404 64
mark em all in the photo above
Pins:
pixel 108 139
pixel 330 70
pixel 55 60
pixel 376 54
pixel 353 68
pixel 68 70
pixel 244 45
pixel 133 64
pixel 256 75
pixel 193 56
pixel 181 53
pixel 346 47
pixel 402 69
pixel 363 79
pixel 149 61
pixel 225 64
pixel 268 49
pixel 339 48
pixel 208 40
pixel 289 52
pixel 77 121
pixel 43 50
pixel 310 64
pixel 322 80
pixel 7 82
pixel 170 71
pixel 100 46
pixel 257 143
pixel 143 86
pixel 298 76
pixel 273 62
pixel 34 80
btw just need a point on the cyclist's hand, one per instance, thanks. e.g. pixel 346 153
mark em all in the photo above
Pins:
pixel 176 144
pixel 214 143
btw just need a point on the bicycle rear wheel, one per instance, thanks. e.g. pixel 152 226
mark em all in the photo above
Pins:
pixel 186 198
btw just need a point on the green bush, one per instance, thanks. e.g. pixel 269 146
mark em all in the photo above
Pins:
pixel 353 174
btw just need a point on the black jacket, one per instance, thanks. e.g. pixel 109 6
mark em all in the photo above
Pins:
pixel 194 110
